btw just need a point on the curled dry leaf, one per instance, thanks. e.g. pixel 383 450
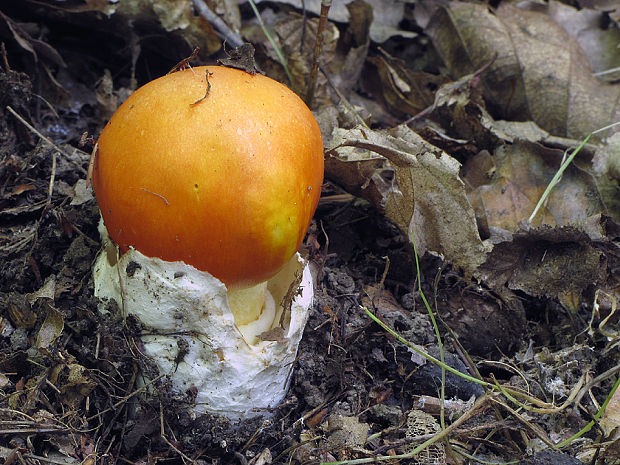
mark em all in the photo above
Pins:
pixel 428 199
pixel 539 73
pixel 39 49
pixel 405 92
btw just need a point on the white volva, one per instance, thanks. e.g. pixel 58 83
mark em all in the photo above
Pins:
pixel 189 330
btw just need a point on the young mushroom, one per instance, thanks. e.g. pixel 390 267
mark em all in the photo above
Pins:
pixel 207 180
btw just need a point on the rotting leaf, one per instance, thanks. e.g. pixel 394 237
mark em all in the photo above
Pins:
pixel 241 57
pixel 51 329
pixel 545 262
pixel 521 173
pixel 606 164
pixel 77 384
pixel 19 311
pixel 345 431
pixel 540 73
pixel 610 419
pixel 428 199
pixel 47 291
pixel 405 91
pixel 599 43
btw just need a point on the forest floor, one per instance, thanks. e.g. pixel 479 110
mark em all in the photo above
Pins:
pixel 524 307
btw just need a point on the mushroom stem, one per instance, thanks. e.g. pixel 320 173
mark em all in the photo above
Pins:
pixel 189 330
pixel 247 304
pixel 263 321
pixel 254 310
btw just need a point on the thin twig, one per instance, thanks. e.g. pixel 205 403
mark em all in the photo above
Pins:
pixel 165 439
pixel 220 26
pixel 50 189
pixel 318 47
pixel 480 403
pixel 126 398
pixel 5 58
pixel 42 137
pixel 35 431
pixel 533 428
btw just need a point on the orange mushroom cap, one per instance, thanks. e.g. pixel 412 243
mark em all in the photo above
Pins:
pixel 227 184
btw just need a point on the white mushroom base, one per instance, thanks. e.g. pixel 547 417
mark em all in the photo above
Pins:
pixel 190 334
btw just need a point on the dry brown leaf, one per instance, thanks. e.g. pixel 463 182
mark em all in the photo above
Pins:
pixel 600 44
pixel 428 199
pixel 539 72
pixel 38 48
pixel 405 91
pixel 295 36
pixel 521 173
pixel 606 164
pixel 611 7
pixel 386 19
pixel 610 419
pixel 75 384
pixel 345 69
pixel 545 262
pixel 51 329
pixel 171 15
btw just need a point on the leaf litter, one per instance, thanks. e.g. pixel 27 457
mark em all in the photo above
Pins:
pixel 443 126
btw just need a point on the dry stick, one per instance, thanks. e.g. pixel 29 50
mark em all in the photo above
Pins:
pixel 35 431
pixel 50 189
pixel 318 46
pixel 600 378
pixel 220 26
pixel 162 433
pixel 254 436
pixel 42 137
pixel 533 428
pixel 5 58
pixel 126 398
pixel 479 404
pixel 457 432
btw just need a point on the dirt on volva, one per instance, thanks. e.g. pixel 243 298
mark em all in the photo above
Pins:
pixel 528 307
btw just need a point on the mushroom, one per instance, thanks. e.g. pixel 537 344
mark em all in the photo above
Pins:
pixel 208 199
